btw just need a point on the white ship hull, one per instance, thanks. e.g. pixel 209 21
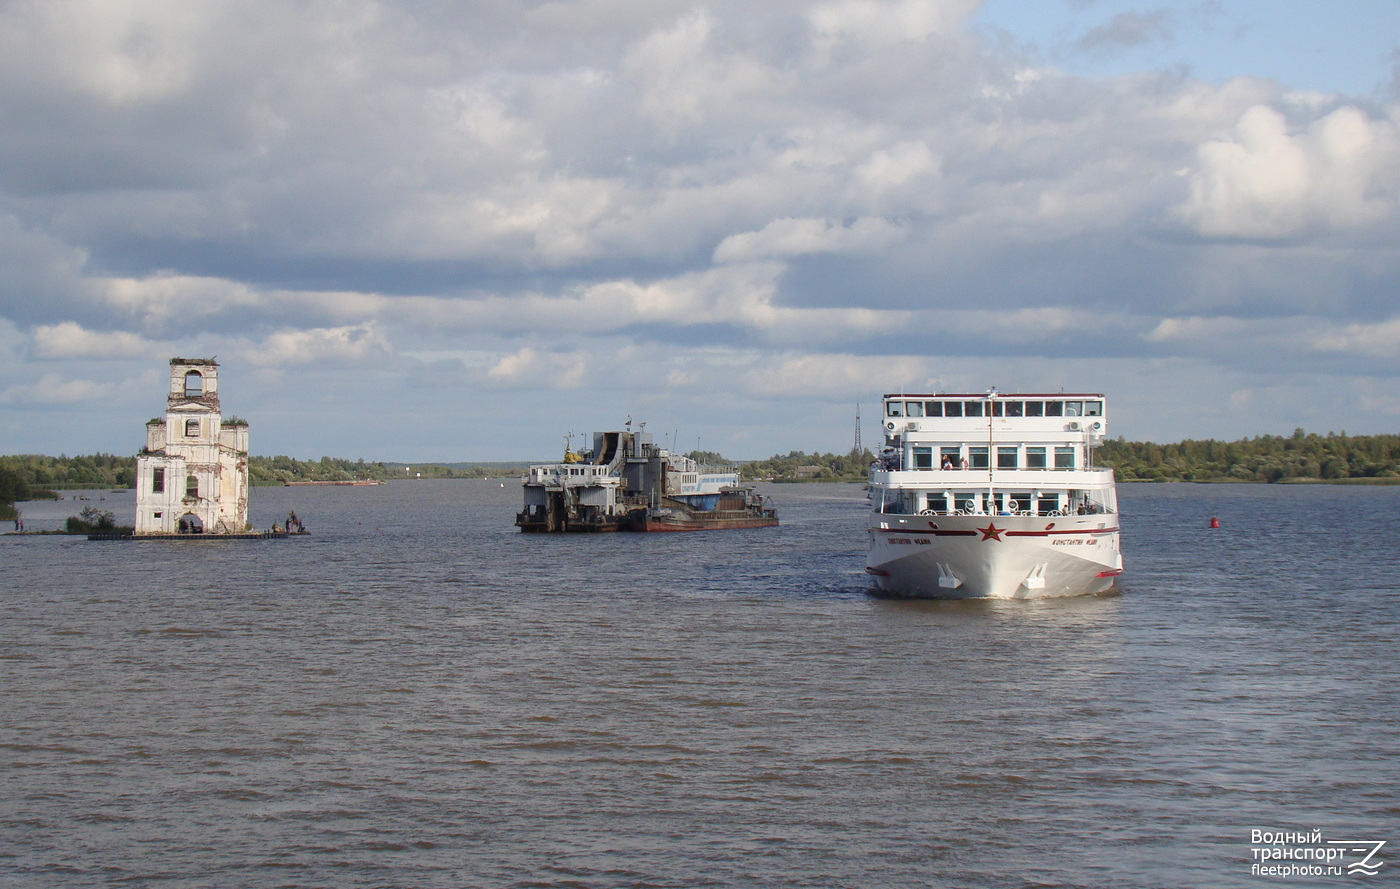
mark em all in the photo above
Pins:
pixel 993 557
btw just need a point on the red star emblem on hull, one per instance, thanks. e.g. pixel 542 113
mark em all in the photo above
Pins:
pixel 992 532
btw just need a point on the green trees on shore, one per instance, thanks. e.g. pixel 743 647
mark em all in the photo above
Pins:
pixel 280 469
pixel 802 466
pixel 13 487
pixel 1267 458
pixel 90 471
pixel 39 472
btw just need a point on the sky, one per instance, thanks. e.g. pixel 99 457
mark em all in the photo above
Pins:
pixel 436 231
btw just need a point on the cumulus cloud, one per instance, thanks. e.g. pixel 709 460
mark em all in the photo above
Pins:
pixel 167 301
pixel 842 376
pixel 55 389
pixel 360 344
pixel 1271 182
pixel 870 25
pixel 529 368
pixel 796 237
pixel 1380 340
pixel 70 340
pixel 686 79
pixel 892 167
pixel 1283 343
pixel 119 53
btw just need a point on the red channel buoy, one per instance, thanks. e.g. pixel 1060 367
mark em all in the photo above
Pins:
pixel 1214 522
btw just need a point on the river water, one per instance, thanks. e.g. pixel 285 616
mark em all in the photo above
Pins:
pixel 418 695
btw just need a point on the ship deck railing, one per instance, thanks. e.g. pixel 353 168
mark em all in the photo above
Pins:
pixel 895 508
pixel 717 470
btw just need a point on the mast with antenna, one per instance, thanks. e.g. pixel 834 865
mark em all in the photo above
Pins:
pixel 991 451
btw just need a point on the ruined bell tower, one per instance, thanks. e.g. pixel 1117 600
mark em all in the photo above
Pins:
pixel 192 476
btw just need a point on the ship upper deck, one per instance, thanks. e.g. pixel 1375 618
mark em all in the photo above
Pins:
pixel 1019 439
pixel 1066 417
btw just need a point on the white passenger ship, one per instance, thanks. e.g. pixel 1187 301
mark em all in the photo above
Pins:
pixel 992 496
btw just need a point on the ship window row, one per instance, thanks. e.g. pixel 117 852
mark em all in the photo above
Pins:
pixel 951 457
pixel 994 407
pixel 545 473
pixel 1033 503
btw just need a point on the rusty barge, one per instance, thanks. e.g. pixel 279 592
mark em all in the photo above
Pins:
pixel 625 482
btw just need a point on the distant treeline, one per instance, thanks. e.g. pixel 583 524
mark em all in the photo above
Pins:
pixel 277 470
pixel 1301 456
pixel 1267 458
pixel 36 472
pixel 90 471
pixel 802 466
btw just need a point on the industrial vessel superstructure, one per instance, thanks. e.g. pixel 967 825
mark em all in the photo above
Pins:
pixel 625 482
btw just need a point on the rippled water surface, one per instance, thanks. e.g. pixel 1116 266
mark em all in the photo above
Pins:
pixel 417 695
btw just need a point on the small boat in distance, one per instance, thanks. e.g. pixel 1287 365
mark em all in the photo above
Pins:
pixel 627 483
pixel 992 496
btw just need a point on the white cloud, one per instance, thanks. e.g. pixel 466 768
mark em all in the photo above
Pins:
pixel 873 24
pixel 360 344
pixel 165 299
pixel 1285 342
pixel 1380 340
pixel 119 52
pixel 1267 182
pixel 1197 329
pixel 335 306
pixel 70 340
pixel 837 376
pixel 797 237
pixel 893 167
pixel 55 389
pixel 529 368
pixel 685 79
